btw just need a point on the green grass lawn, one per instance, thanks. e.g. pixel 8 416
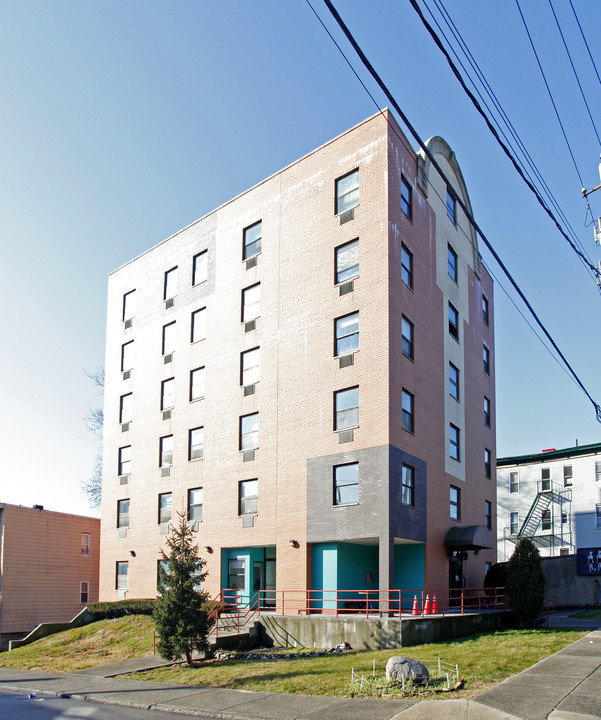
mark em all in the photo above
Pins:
pixel 483 660
pixel 592 614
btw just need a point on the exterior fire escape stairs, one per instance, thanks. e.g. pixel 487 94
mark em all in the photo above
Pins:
pixel 547 493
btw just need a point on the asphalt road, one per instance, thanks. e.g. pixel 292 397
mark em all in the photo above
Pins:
pixel 19 706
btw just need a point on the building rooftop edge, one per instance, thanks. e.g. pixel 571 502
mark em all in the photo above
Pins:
pixel 576 451
pixel 43 510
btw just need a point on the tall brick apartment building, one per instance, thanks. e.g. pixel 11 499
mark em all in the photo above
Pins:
pixel 308 373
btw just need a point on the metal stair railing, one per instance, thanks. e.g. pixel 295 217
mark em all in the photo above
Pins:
pixel 547 493
pixel 228 616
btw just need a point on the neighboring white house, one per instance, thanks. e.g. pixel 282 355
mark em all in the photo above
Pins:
pixel 553 497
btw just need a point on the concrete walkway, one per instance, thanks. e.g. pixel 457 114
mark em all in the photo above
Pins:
pixel 564 686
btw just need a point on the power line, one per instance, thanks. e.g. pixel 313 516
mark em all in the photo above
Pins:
pixel 585 42
pixel 441 173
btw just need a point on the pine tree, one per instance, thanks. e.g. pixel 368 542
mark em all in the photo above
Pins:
pixel 181 623
pixel 525 581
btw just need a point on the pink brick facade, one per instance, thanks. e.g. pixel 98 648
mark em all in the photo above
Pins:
pixel 298 446
pixel 49 567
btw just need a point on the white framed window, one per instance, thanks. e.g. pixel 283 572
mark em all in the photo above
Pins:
pixel 346 484
pixel 347 192
pixel 167 393
pixel 407 266
pixel 598 515
pixel 200 267
pixel 198 325
pixel 452 263
pixel 347 261
pixel 197 384
pixel 165 503
pixel 84 592
pixel 168 344
pixel 546 520
pixel 195 500
pixel 170 286
pixel 346 408
pixel 408 485
pixel 408 411
pixel 250 366
pixel 86 544
pixel 127 356
pixel 124 460
pixel 248 497
pixel 129 305
pixel 236 574
pixel 166 451
pixel 346 331
pixel 407 337
pixel 597 470
pixel 123 513
pixel 121 575
pixel 514 523
pixel 514 482
pixel 453 381
pixel 196 441
pixel 249 432
pixel 126 408
pixel 567 476
pixel 406 198
pixel 251 243
pixel 454 442
pixel 545 478
pixel 251 302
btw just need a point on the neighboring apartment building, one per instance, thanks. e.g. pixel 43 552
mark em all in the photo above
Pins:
pixel 308 373
pixel 552 497
pixel 48 567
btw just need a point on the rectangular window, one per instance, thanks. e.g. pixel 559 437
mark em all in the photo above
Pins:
pixel 166 451
pixel 121 573
pixel 84 592
pixel 170 287
pixel 488 514
pixel 168 345
pixel 451 206
pixel 514 483
pixel 252 240
pixel 485 318
pixel 123 513
pixel 198 329
pixel 487 412
pixel 453 381
pixel 200 267
pixel 347 261
pixel 564 518
pixel 407 266
pixel 598 515
pixel 408 485
pixel 129 305
pixel 598 471
pixel 455 503
pixel 127 356
pixel 251 302
pixel 486 359
pixel 124 464
pixel 514 523
pixel 125 408
pixel 406 198
pixel 165 502
pixel 195 497
pixel 248 495
pixel 164 566
pixel 408 411
pixel 346 484
pixel 250 367
pixel 546 520
pixel 567 475
pixel 346 334
pixel 196 441
pixel 487 462
pixel 86 544
pixel 407 337
pixel 454 448
pixel 236 574
pixel 249 432
pixel 452 263
pixel 346 408
pixel 167 393
pixel 347 192
pixel 453 322
pixel 545 477
pixel 197 384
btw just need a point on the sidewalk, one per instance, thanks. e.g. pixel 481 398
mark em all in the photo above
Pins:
pixel 564 686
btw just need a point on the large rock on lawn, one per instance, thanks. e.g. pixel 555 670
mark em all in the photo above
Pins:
pixel 399 667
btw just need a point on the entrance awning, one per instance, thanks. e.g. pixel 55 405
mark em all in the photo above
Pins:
pixel 471 537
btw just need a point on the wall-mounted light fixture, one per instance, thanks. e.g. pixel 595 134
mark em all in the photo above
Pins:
pixel 132 553
pixel 293 543
pixel 208 549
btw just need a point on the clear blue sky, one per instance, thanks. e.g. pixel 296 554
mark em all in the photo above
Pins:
pixel 122 122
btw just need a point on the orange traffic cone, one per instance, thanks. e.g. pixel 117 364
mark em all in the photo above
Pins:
pixel 415 610
pixel 427 608
pixel 434 606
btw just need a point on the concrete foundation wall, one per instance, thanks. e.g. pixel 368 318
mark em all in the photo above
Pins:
pixel 569 588
pixel 373 634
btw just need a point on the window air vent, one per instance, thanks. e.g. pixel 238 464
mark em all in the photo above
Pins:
pixel 122 594
pixel 164 528
pixel 126 374
pixel 167 414
pixel 346 287
pixel 196 455
pixel 251 262
pixel 249 390
pixel 193 525
pixel 250 325
pixel 168 358
pixel 248 455
pixel 122 532
pixel 248 521
pixel 169 303
pixel 347 215
pixel 124 479
pixel 129 323
pixel 346 360
pixel 165 471
pixel 125 427
pixel 345 436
